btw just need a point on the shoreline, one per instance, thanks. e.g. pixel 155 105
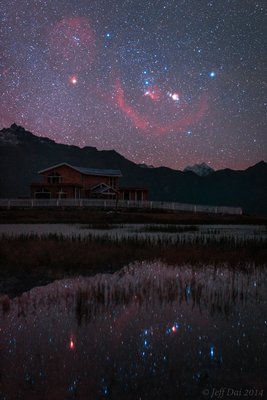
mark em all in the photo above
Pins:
pixel 73 215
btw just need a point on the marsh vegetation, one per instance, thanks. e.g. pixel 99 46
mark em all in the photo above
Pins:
pixel 81 252
pixel 31 255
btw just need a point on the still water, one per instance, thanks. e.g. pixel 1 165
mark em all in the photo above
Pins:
pixel 149 331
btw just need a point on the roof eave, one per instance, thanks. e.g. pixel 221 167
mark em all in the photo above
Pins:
pixel 119 175
pixel 55 166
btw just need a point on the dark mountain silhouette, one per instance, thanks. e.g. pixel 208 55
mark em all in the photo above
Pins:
pixel 23 154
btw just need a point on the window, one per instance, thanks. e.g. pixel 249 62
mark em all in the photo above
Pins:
pixel 54 177
pixel 112 182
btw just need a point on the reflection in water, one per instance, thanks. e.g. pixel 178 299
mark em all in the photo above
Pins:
pixel 147 332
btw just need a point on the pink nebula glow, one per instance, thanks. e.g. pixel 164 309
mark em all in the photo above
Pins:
pixel 73 41
pixel 150 124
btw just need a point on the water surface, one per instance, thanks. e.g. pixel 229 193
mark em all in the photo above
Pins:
pixel 149 331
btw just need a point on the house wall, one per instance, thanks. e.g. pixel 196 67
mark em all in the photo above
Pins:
pixel 72 176
pixel 91 180
pixel 68 174
pixel 39 191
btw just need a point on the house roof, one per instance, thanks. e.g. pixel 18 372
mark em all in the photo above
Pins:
pixel 87 171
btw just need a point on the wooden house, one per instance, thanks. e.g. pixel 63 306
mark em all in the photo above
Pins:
pixel 68 181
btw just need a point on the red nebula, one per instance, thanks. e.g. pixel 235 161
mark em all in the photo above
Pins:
pixel 153 93
pixel 73 40
pixel 149 124
pixel 139 121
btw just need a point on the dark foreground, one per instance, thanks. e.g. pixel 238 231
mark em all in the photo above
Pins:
pixel 149 332
pixel 95 318
pixel 61 215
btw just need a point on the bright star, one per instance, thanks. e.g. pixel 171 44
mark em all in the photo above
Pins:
pixel 73 79
pixel 174 96
pixel 76 39
pixel 212 74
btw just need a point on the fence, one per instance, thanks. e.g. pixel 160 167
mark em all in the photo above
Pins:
pixel 113 204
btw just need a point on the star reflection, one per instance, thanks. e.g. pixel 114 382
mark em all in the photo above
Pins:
pixel 138 336
pixel 71 344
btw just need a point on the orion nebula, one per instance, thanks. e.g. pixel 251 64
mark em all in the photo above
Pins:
pixel 169 83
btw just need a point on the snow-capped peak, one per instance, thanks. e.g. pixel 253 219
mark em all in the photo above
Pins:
pixel 200 169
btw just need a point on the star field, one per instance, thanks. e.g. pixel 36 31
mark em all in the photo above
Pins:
pixel 171 83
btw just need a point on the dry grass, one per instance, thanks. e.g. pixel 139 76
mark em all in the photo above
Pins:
pixel 54 252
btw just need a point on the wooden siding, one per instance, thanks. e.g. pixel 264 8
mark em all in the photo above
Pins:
pixel 73 177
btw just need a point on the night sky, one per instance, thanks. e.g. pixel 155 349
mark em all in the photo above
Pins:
pixel 163 82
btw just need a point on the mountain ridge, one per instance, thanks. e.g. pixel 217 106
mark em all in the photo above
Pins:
pixel 19 147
